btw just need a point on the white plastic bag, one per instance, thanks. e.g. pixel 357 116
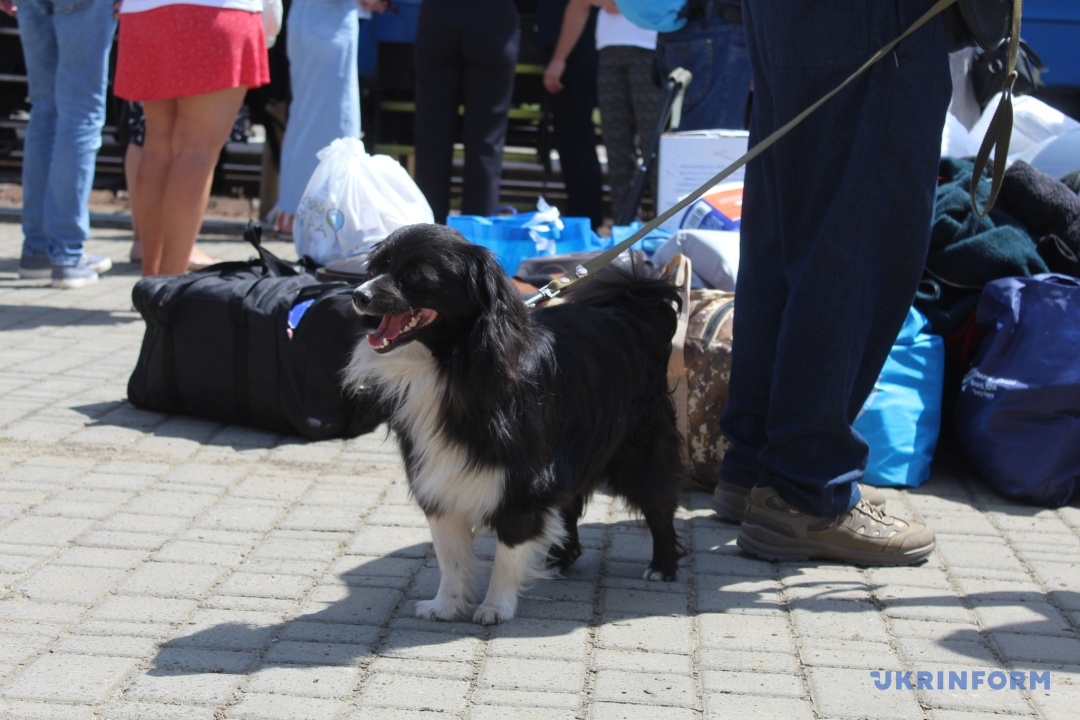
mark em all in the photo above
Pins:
pixel 1034 122
pixel 354 200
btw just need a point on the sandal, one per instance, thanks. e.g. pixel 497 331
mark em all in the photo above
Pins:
pixel 280 222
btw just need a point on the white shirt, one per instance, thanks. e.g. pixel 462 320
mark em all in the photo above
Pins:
pixel 134 6
pixel 615 29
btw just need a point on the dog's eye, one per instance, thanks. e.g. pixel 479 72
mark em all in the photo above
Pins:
pixel 414 276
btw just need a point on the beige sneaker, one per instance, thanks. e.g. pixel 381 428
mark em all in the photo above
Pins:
pixel 774 530
pixel 731 501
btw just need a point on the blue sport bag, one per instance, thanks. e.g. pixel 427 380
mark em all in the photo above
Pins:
pixel 1018 413
pixel 901 420
pixel 520 236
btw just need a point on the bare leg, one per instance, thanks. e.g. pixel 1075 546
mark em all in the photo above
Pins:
pixel 132 157
pixel 184 138
pixel 453 539
pixel 153 173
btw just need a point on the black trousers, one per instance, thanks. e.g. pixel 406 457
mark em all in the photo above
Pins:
pixel 465 53
pixel 573 132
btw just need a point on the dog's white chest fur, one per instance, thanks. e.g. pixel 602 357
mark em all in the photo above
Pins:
pixel 441 475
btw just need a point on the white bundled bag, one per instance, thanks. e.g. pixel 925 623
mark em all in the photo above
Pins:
pixel 354 200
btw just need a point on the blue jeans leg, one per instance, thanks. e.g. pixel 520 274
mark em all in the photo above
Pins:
pixel 66 45
pixel 835 229
pixel 714 51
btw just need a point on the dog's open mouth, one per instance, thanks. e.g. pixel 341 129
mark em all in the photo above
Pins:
pixel 397 329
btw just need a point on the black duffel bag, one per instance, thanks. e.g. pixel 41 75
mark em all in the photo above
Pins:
pixel 260 343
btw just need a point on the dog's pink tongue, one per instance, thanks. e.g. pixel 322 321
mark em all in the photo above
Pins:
pixel 389 329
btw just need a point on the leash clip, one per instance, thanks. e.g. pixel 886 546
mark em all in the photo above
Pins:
pixel 544 293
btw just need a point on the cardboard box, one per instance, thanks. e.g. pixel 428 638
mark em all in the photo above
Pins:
pixel 688 159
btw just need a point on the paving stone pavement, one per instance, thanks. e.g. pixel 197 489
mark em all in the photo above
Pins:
pixel 161 567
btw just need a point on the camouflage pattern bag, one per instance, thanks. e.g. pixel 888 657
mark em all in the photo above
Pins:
pixel 699 371
pixel 707 356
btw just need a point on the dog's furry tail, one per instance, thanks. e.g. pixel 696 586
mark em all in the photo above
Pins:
pixel 636 287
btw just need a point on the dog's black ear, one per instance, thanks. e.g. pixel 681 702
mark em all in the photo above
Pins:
pixel 488 285
pixel 502 328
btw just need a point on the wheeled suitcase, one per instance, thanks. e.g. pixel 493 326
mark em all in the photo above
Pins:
pixel 260 343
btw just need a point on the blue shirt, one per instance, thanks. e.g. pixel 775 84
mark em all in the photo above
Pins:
pixel 658 15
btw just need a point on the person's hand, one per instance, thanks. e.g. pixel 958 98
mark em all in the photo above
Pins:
pixel 378 6
pixel 608 6
pixel 8 6
pixel 553 75
pixel 115 8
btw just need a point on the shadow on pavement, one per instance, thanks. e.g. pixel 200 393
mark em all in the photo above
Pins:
pixel 374 616
pixel 205 431
pixel 29 317
pixel 377 594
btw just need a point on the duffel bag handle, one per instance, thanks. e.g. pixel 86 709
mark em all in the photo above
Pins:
pixel 274 265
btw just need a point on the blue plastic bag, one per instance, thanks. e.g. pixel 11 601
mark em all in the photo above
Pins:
pixel 1018 413
pixel 520 236
pixel 901 420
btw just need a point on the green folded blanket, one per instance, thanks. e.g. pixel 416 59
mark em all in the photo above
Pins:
pixel 968 251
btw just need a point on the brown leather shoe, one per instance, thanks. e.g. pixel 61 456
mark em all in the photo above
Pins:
pixel 731 501
pixel 774 530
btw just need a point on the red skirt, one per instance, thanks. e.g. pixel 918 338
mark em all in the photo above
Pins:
pixel 180 50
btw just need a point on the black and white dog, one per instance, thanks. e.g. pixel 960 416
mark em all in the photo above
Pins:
pixel 509 419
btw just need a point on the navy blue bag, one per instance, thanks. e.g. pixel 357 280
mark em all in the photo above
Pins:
pixel 1018 413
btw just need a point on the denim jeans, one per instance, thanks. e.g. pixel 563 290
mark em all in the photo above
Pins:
pixel 66 45
pixel 322 41
pixel 835 230
pixel 714 51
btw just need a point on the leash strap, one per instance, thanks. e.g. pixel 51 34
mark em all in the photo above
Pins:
pixel 999 132
pixel 589 268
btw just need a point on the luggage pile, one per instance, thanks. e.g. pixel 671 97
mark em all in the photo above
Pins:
pixel 987 356
pixel 1004 293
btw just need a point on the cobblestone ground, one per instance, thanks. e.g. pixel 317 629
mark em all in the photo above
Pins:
pixel 163 567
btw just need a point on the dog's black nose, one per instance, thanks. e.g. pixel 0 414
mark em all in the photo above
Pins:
pixel 361 297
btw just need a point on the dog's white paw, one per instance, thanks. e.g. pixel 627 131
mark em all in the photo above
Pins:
pixel 492 615
pixel 437 610
pixel 653 575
